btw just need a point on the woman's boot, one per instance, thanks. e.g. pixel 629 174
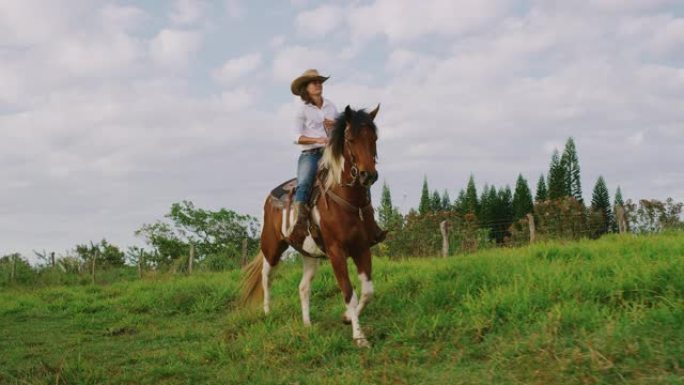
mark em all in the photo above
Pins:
pixel 379 234
pixel 301 226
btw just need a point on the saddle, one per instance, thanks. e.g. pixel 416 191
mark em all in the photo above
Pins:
pixel 282 197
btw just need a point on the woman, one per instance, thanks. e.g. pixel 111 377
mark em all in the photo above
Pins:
pixel 314 120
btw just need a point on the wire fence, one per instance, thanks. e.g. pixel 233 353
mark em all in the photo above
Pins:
pixel 425 235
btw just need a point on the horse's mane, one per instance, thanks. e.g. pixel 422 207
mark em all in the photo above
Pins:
pixel 333 156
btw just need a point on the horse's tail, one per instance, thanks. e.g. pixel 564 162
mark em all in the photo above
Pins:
pixel 251 280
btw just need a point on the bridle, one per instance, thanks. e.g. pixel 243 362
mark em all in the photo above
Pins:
pixel 354 170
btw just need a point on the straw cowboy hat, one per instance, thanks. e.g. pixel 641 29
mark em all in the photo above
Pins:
pixel 307 76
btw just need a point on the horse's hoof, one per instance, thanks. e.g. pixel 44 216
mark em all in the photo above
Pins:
pixel 362 343
pixel 346 320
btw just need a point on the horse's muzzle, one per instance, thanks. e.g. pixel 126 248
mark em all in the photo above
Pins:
pixel 367 178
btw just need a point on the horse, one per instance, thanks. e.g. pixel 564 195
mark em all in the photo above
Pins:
pixel 340 213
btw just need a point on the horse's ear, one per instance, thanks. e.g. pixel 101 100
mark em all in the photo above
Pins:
pixel 374 112
pixel 348 114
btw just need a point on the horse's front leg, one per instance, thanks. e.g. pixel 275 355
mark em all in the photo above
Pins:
pixel 364 267
pixel 310 267
pixel 338 260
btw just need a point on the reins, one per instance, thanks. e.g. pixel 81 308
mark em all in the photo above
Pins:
pixel 348 206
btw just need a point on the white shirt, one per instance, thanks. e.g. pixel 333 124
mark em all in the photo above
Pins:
pixel 309 122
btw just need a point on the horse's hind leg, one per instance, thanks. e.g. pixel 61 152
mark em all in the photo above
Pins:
pixel 271 258
pixel 310 267
pixel 272 246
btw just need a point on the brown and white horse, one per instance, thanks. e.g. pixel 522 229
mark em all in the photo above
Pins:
pixel 342 212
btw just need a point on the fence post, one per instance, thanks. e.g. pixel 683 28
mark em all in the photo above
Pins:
pixel 140 263
pixel 52 258
pixel 192 256
pixel 530 221
pixel 620 213
pixel 92 267
pixel 444 227
pixel 244 251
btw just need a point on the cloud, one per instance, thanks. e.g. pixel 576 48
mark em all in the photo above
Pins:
pixel 238 99
pixel 109 112
pixel 33 21
pixel 119 18
pixel 235 9
pixel 407 20
pixel 318 22
pixel 174 48
pixel 290 62
pixel 187 12
pixel 235 68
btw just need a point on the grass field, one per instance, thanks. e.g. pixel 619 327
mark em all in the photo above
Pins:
pixel 594 312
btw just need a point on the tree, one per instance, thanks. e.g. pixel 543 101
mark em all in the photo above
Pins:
pixel 618 197
pixel 522 199
pixel 617 201
pixel 166 243
pixel 503 212
pixel 210 232
pixel 103 252
pixel 459 203
pixel 425 204
pixel 557 179
pixel 435 202
pixel 542 192
pixel 446 201
pixel 654 215
pixel 386 210
pixel 471 204
pixel 570 163
pixel 600 207
pixel 487 207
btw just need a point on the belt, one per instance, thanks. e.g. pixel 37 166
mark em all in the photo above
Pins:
pixel 316 150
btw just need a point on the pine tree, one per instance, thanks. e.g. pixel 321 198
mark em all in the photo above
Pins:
pixel 600 203
pixel 386 210
pixel 522 199
pixel 542 192
pixel 618 197
pixel 488 204
pixel 486 216
pixel 616 201
pixel 459 203
pixel 446 201
pixel 557 178
pixel 389 216
pixel 425 205
pixel 471 204
pixel 436 202
pixel 503 213
pixel 570 162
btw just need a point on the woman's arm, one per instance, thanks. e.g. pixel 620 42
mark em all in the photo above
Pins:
pixel 308 140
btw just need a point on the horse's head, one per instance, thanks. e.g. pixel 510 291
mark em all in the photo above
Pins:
pixel 353 140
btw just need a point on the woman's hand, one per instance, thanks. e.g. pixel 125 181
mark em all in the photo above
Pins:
pixel 328 124
pixel 322 140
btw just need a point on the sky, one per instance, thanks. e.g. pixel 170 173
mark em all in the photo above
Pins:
pixel 110 111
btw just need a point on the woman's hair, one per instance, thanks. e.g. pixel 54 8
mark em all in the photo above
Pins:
pixel 304 94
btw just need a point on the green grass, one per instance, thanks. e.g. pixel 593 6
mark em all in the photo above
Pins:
pixel 594 312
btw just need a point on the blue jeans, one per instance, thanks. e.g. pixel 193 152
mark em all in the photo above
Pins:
pixel 307 166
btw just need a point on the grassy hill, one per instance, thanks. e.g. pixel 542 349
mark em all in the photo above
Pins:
pixel 595 312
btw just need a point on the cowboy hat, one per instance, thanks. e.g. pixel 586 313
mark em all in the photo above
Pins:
pixel 306 77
